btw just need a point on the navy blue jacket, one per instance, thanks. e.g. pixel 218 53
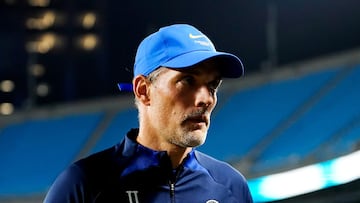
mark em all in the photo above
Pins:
pixel 130 172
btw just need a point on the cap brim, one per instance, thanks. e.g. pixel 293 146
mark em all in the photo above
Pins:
pixel 229 64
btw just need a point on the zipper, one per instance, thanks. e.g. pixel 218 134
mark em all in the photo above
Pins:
pixel 172 191
pixel 172 181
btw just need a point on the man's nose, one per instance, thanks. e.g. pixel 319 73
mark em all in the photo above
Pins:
pixel 204 97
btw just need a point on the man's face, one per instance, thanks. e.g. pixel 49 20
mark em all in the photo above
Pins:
pixel 181 103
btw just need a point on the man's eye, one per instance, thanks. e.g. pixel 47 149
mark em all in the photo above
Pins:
pixel 188 79
pixel 213 89
pixel 214 85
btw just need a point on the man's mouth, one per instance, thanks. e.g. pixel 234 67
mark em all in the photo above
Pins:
pixel 197 119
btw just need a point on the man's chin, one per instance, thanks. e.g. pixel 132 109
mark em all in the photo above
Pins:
pixel 197 137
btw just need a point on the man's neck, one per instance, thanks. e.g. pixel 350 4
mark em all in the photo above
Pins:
pixel 176 153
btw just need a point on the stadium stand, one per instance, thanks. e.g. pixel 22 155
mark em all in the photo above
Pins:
pixel 338 107
pixel 257 111
pixel 44 147
pixel 119 126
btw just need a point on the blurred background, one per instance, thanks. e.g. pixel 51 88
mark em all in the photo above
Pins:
pixel 297 106
pixel 56 51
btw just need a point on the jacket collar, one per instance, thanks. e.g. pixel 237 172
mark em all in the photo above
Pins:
pixel 142 157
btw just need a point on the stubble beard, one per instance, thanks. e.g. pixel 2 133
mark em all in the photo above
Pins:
pixel 189 137
pixel 191 134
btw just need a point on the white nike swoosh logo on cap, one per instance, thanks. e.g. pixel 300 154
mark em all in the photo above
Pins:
pixel 195 36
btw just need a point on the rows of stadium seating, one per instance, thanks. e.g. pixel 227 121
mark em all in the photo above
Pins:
pixel 251 114
pixel 329 115
pixel 45 146
pixel 32 153
pixel 117 128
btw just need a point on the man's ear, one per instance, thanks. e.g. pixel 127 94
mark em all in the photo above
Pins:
pixel 141 89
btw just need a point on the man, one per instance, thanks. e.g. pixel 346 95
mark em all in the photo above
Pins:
pixel 177 73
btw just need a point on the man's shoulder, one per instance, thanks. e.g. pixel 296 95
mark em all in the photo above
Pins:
pixel 218 168
pixel 101 160
pixel 211 161
pixel 225 174
pixel 84 178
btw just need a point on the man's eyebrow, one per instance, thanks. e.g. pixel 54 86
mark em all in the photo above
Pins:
pixel 196 71
pixel 189 70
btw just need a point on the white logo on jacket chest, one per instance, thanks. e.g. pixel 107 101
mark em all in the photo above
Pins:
pixel 133 196
pixel 212 201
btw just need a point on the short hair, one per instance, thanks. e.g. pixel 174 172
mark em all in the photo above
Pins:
pixel 153 76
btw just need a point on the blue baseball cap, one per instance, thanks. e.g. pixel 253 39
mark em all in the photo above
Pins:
pixel 181 46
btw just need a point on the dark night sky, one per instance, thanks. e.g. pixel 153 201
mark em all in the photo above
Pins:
pixel 305 29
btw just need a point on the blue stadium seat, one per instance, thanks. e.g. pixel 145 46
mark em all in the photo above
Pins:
pixel 33 153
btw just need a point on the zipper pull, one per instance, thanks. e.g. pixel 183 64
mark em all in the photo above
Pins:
pixel 172 181
pixel 172 189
